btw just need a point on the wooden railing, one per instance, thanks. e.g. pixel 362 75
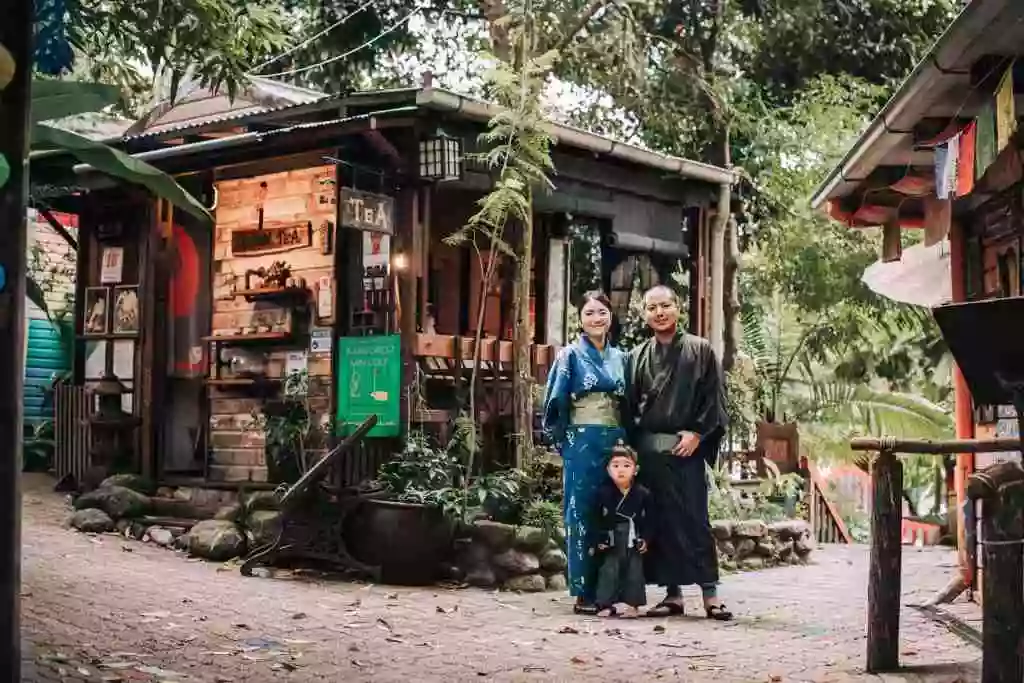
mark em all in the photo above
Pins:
pixel 826 523
pixel 1000 487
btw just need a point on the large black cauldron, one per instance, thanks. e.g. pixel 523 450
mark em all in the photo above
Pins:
pixel 408 541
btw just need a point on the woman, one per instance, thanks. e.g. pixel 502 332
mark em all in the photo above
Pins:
pixel 582 416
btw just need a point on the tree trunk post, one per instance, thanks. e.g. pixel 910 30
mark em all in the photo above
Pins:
pixel 16 37
pixel 1001 490
pixel 522 379
pixel 885 573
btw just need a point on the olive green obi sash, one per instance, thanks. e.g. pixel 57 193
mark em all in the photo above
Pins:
pixel 599 409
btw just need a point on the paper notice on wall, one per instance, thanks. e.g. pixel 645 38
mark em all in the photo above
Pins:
pixel 295 363
pixel 113 266
pixel 376 249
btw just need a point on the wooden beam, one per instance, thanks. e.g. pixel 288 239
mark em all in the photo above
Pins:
pixel 885 571
pixel 936 446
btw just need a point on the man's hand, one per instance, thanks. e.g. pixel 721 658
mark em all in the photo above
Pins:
pixel 641 546
pixel 688 442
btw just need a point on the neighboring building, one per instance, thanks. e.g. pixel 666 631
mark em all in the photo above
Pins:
pixel 944 156
pixel 49 334
pixel 356 193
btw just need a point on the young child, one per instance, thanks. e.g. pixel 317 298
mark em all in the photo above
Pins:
pixel 622 531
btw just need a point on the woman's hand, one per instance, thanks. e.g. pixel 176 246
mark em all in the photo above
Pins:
pixel 688 443
pixel 641 546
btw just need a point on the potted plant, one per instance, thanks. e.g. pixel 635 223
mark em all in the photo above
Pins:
pixel 408 531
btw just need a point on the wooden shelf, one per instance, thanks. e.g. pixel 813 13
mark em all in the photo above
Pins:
pixel 242 382
pixel 255 338
pixel 273 293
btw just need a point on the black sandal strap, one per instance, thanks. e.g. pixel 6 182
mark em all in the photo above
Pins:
pixel 674 609
pixel 718 613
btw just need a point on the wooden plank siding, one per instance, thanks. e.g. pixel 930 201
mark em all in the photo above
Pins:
pixel 236 448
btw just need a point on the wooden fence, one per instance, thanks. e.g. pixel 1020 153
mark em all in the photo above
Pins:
pixel 1000 489
pixel 826 523
pixel 71 431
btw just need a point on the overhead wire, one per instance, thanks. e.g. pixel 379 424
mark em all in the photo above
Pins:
pixel 308 41
pixel 390 29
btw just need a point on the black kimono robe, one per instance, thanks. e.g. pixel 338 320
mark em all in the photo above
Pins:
pixel 673 388
pixel 622 521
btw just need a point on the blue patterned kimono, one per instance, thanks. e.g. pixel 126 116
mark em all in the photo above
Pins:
pixel 585 387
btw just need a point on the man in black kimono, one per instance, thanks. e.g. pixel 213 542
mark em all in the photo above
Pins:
pixel 676 416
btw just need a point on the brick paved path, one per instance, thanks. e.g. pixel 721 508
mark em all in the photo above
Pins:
pixel 103 608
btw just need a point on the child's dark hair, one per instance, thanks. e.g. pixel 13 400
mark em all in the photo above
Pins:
pixel 621 450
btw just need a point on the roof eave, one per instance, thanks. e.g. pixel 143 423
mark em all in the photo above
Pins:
pixel 912 100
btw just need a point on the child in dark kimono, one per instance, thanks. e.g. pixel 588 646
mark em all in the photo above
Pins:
pixel 622 532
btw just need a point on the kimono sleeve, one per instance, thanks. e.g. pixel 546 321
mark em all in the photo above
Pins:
pixel 709 416
pixel 630 399
pixel 557 397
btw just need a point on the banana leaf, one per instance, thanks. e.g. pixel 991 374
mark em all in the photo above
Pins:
pixel 52 100
pixel 120 165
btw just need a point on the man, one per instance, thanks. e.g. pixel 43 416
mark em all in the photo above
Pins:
pixel 676 416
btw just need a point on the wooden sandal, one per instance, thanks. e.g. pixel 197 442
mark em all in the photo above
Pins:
pixel 667 608
pixel 718 613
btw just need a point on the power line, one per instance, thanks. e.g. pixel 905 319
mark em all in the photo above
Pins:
pixel 371 41
pixel 306 42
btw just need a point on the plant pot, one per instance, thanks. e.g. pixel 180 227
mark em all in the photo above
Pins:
pixel 408 541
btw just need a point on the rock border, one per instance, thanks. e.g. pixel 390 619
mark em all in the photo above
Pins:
pixel 525 559
pixel 748 545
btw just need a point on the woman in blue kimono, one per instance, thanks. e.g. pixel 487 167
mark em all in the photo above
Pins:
pixel 582 417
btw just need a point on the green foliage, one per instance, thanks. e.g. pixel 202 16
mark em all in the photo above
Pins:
pixel 429 475
pixel 38 448
pixel 146 45
pixel 544 514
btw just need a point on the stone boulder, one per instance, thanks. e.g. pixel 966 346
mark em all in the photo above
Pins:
pixel 229 513
pixel 557 582
pixel 216 540
pixel 531 538
pixel 553 560
pixel 135 482
pixel 262 527
pixel 117 501
pixel 750 528
pixel 92 520
pixel 527 583
pixel 721 530
pixel 262 500
pixel 793 528
pixel 160 536
pixel 495 535
pixel 516 562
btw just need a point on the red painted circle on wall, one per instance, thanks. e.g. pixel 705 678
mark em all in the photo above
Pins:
pixel 185 283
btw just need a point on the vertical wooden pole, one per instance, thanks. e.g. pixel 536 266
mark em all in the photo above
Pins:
pixel 885 572
pixel 1000 488
pixel 1003 613
pixel 16 37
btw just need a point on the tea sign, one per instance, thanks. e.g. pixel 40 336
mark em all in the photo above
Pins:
pixel 366 211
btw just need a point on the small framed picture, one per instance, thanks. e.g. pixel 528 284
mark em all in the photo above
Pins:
pixel 97 311
pixel 126 310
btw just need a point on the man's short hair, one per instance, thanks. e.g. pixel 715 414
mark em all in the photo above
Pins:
pixel 662 289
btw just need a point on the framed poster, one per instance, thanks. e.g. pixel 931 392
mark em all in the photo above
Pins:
pixel 369 383
pixel 126 310
pixel 112 266
pixel 97 311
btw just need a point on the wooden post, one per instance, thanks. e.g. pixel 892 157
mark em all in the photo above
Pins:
pixel 17 36
pixel 1001 490
pixel 884 577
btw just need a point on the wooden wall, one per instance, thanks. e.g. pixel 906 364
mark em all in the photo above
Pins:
pixel 236 447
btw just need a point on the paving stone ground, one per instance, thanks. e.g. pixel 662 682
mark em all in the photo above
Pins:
pixel 104 608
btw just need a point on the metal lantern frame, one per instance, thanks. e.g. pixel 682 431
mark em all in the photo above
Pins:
pixel 441 158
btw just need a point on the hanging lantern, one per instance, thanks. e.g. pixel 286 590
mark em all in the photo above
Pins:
pixel 441 158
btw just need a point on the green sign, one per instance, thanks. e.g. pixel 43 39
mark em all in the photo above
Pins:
pixel 369 383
